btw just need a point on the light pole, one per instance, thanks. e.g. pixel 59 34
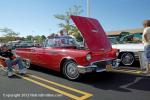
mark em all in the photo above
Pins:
pixel 88 8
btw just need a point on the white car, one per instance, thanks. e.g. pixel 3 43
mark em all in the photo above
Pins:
pixel 129 47
pixel 129 52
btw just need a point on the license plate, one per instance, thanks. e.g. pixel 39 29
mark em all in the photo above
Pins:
pixel 109 67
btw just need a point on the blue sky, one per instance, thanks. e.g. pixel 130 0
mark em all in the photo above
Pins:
pixel 36 17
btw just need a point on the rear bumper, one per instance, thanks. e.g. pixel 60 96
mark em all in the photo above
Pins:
pixel 98 68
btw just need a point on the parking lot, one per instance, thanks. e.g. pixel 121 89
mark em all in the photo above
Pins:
pixel 74 50
pixel 45 84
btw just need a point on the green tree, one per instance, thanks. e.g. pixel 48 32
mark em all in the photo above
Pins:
pixel 66 21
pixel 76 33
pixel 39 39
pixel 9 34
pixel 29 38
pixel 5 30
pixel 43 37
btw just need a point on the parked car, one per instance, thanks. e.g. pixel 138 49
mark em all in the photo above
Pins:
pixel 13 44
pixel 64 55
pixel 20 44
pixel 129 46
pixel 24 44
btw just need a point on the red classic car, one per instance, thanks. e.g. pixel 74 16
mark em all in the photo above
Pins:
pixel 71 59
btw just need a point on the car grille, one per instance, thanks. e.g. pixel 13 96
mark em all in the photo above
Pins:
pixel 102 64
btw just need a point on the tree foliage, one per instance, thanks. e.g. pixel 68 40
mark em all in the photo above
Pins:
pixel 29 38
pixel 37 38
pixel 66 21
pixel 9 34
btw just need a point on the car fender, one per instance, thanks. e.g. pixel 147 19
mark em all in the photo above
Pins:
pixel 65 59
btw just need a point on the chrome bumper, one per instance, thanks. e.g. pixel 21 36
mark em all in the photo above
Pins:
pixel 26 63
pixel 94 68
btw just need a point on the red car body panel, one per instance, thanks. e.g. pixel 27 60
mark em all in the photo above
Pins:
pixel 52 57
pixel 93 34
pixel 95 38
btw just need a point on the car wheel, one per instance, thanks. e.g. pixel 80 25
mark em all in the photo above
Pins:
pixel 70 70
pixel 127 59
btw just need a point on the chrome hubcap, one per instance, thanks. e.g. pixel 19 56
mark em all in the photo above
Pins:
pixel 72 71
pixel 127 59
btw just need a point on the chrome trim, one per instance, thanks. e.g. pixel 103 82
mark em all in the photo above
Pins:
pixel 83 69
pixel 94 68
pixel 102 61
pixel 94 30
pixel 102 70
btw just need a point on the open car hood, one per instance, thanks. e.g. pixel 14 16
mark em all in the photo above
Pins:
pixel 93 33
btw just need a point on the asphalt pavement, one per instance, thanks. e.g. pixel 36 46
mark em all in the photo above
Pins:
pixel 44 84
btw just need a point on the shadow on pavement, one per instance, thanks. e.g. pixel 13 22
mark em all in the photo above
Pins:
pixel 141 84
pixel 14 76
pixel 117 81
pixel 107 80
pixel 45 70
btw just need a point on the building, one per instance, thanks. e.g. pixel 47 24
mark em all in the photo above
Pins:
pixel 114 33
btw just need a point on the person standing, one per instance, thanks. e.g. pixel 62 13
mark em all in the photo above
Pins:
pixel 146 42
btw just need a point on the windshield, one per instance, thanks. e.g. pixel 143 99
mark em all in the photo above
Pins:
pixel 113 40
pixel 132 38
pixel 62 41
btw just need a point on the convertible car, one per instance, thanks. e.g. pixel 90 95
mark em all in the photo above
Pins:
pixel 63 54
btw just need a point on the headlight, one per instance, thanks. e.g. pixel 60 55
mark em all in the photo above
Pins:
pixel 88 57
